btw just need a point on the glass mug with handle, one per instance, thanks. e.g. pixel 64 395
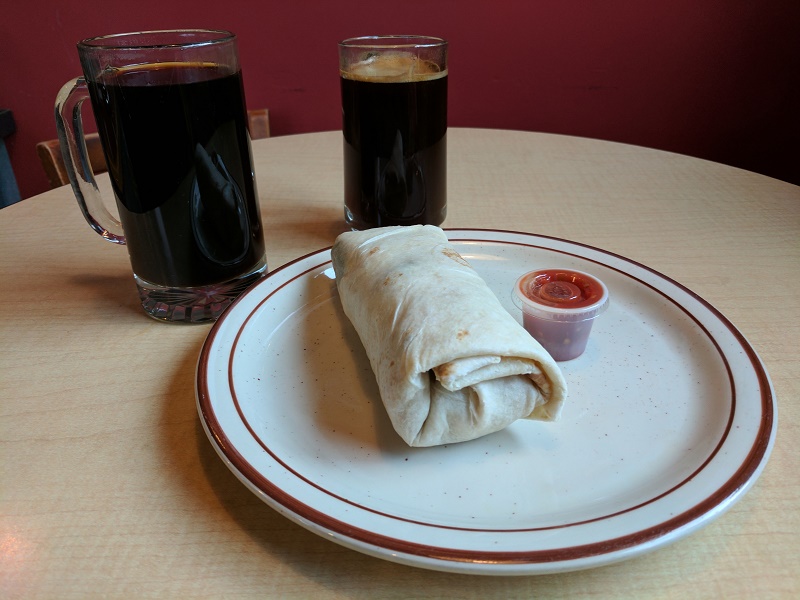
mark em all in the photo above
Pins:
pixel 171 116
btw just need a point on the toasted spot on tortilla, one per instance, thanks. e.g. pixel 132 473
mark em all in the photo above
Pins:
pixel 443 371
pixel 452 254
pixel 389 278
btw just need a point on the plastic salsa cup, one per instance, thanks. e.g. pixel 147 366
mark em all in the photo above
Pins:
pixel 559 307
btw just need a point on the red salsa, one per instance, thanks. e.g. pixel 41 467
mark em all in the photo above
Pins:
pixel 560 288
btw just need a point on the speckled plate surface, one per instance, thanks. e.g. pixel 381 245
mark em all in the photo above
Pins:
pixel 670 419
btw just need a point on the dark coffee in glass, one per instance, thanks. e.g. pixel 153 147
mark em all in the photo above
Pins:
pixel 394 107
pixel 175 140
pixel 170 111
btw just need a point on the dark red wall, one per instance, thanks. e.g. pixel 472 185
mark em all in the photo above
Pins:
pixel 710 78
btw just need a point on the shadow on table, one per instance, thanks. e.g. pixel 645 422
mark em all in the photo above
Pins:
pixel 114 292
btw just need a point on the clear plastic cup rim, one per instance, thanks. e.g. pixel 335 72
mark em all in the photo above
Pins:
pixel 554 313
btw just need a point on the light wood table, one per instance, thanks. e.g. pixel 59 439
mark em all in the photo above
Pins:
pixel 109 487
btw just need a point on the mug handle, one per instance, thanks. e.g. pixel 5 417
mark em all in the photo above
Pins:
pixel 69 125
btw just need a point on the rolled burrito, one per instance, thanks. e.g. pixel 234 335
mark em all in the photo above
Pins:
pixel 450 362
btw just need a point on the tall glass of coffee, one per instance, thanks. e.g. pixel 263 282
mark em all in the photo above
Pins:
pixel 170 112
pixel 394 110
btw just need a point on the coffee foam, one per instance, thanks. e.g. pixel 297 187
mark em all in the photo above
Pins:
pixel 393 67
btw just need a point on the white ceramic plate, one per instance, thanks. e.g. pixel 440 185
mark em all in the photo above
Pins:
pixel 670 419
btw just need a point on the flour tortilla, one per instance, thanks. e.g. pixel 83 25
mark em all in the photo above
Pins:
pixel 451 363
